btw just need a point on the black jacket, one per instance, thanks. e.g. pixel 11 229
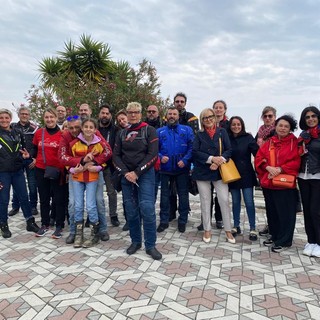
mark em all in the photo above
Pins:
pixel 135 149
pixel 243 147
pixel 11 143
pixel 310 161
pixel 28 131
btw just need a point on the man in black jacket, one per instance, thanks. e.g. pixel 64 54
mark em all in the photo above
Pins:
pixel 108 130
pixel 28 129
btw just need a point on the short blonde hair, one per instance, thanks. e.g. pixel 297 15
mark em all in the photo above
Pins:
pixel 202 115
pixel 7 111
pixel 134 105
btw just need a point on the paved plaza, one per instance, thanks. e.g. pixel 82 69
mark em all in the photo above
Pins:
pixel 43 278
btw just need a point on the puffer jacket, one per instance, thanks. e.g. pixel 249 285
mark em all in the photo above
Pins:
pixel 175 142
pixel 11 142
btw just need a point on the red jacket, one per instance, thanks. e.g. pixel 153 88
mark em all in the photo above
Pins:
pixel 51 145
pixel 66 157
pixel 286 154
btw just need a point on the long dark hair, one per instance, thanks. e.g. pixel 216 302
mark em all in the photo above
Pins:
pixel 302 121
pixel 243 127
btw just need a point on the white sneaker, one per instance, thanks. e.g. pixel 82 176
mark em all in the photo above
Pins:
pixel 316 251
pixel 308 248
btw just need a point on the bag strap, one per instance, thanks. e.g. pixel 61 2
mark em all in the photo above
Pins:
pixel 42 147
pixel 272 155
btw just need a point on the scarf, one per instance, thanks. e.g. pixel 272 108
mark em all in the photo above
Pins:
pixel 211 131
pixel 306 136
pixel 264 134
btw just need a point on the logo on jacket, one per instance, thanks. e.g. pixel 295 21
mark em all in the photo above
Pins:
pixel 131 135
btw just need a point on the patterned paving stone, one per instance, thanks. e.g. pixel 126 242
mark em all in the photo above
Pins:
pixel 43 278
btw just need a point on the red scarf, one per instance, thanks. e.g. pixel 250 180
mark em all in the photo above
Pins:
pixel 264 134
pixel 211 131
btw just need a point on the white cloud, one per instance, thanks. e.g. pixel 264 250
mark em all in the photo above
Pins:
pixel 250 54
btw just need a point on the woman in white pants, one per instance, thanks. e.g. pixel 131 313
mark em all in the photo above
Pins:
pixel 207 158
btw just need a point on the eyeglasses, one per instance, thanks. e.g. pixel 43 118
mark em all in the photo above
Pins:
pixel 179 101
pixel 151 111
pixel 265 116
pixel 208 118
pixel 24 114
pixel 70 118
pixel 132 112
pixel 312 116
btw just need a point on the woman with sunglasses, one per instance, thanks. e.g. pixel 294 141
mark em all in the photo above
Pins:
pixel 265 131
pixel 309 178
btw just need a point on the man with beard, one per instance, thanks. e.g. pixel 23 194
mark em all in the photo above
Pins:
pixel 85 111
pixel 153 118
pixel 186 118
pixel 108 130
pixel 175 152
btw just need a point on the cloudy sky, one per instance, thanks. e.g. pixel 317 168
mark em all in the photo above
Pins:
pixel 248 53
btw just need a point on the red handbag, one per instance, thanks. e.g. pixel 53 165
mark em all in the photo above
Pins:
pixel 282 180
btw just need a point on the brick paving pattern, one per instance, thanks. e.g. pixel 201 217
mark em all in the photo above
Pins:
pixel 43 278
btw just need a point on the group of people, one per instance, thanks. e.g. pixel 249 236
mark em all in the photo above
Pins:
pixel 86 155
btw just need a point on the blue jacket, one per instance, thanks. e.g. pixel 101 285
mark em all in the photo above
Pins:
pixel 176 143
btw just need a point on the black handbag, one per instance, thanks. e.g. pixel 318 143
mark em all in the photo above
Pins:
pixel 51 173
pixel 192 186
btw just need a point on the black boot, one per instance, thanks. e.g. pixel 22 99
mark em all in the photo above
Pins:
pixel 32 226
pixel 94 237
pixel 5 230
pixel 78 239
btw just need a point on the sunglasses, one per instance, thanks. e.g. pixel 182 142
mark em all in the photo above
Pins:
pixel 71 118
pixel 151 111
pixel 179 101
pixel 208 117
pixel 265 116
pixel 312 116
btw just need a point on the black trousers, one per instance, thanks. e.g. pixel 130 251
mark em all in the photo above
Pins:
pixel 281 214
pixel 310 196
pixel 50 188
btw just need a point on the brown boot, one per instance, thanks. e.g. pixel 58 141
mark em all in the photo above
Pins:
pixel 94 237
pixel 78 240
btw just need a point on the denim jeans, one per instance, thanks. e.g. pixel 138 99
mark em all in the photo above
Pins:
pixel 249 203
pixel 100 206
pixel 181 181
pixel 18 181
pixel 140 208
pixel 32 187
pixel 88 190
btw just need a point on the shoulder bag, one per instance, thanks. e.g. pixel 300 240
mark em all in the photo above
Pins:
pixel 282 180
pixel 228 170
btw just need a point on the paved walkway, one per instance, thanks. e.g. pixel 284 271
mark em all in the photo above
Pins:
pixel 43 278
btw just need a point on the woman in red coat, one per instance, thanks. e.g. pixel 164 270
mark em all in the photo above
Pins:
pixel 280 202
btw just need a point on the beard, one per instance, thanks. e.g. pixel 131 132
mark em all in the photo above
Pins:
pixel 105 121
pixel 173 122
